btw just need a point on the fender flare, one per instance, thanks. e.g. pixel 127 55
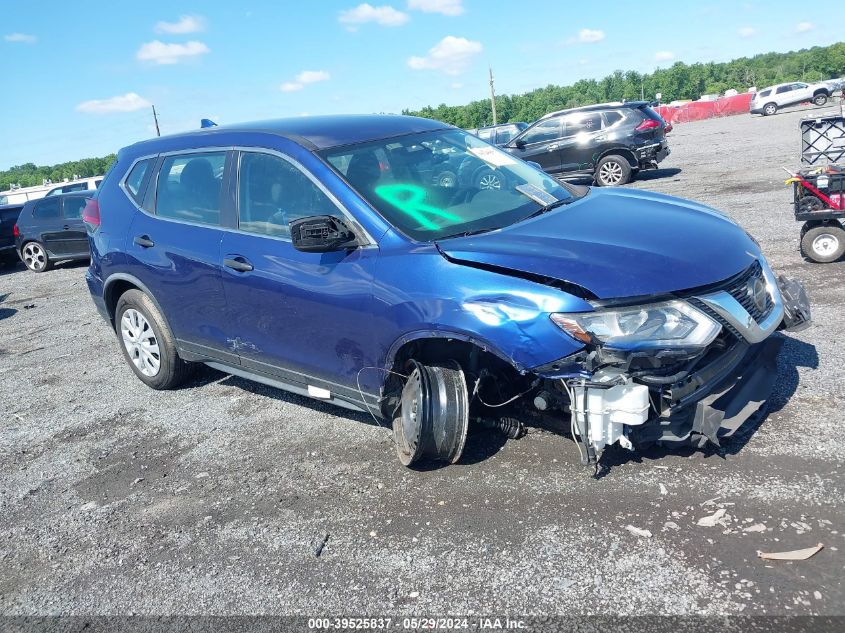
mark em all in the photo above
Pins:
pixel 417 335
pixel 115 277
pixel 624 152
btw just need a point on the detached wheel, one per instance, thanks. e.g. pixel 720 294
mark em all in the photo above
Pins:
pixel 820 99
pixel 35 257
pixel 147 343
pixel 823 244
pixel 769 109
pixel 613 171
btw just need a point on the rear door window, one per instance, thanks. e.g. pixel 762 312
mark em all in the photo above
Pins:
pixel 73 207
pixel 545 131
pixel 47 209
pixel 189 187
pixel 581 123
pixel 273 192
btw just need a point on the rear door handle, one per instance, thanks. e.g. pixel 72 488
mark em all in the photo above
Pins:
pixel 66 227
pixel 144 241
pixel 237 262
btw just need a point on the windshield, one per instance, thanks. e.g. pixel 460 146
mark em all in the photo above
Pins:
pixel 442 184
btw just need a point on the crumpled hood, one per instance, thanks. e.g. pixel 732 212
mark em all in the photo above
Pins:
pixel 617 243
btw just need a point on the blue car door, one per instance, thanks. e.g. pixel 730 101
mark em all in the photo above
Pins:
pixel 174 249
pixel 303 318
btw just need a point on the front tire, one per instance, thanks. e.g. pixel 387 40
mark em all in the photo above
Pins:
pixel 820 99
pixel 823 244
pixel 35 257
pixel 613 171
pixel 147 343
pixel 769 109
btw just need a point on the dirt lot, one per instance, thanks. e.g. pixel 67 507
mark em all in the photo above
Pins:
pixel 211 499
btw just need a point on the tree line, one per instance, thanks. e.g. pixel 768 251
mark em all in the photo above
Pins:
pixel 30 174
pixel 679 81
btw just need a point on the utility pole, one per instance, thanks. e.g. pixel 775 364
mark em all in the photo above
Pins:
pixel 492 95
pixel 155 118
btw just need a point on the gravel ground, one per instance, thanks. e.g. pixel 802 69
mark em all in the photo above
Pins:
pixel 115 499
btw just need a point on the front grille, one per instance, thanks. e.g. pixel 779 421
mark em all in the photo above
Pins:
pixel 741 289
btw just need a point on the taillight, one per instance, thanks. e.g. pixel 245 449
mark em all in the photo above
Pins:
pixel 16 231
pixel 91 215
pixel 647 124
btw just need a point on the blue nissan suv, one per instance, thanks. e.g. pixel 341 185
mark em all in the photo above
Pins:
pixel 319 255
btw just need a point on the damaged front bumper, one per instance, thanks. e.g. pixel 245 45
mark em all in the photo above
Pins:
pixel 709 402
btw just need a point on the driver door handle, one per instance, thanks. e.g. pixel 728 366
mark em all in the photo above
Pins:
pixel 553 147
pixel 237 262
pixel 144 241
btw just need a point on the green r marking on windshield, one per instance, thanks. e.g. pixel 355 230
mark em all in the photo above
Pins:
pixel 410 199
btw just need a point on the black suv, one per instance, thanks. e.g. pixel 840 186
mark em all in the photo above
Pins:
pixel 51 229
pixel 611 142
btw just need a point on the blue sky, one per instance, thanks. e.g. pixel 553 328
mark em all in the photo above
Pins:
pixel 80 77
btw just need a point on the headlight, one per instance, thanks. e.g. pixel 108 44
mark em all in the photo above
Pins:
pixel 668 324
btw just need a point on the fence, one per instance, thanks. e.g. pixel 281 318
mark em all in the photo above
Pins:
pixel 700 110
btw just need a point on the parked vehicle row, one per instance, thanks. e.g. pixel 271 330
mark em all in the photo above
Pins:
pixel 320 255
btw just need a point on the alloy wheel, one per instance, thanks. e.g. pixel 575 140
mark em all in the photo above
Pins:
pixel 490 181
pixel 140 342
pixel 611 173
pixel 34 256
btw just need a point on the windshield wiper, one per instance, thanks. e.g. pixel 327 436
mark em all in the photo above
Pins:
pixel 468 233
pixel 548 207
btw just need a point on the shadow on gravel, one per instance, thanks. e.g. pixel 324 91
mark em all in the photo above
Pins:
pixel 657 174
pixel 5 313
pixel 794 354
pixel 8 268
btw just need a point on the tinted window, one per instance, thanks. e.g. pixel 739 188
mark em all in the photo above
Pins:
pixel 766 93
pixel 47 209
pixel 73 207
pixel 485 135
pixel 783 89
pixel 506 133
pixel 545 131
pixel 189 187
pixel 97 183
pixel 581 123
pixel 80 186
pixel 272 192
pixel 612 117
pixel 136 178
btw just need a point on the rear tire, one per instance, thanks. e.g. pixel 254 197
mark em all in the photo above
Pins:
pixel 147 343
pixel 612 171
pixel 823 244
pixel 769 109
pixel 35 257
pixel 820 99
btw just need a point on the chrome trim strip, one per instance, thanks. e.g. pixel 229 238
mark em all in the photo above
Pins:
pixel 731 311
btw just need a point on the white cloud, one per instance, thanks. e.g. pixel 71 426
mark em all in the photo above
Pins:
pixel 122 103
pixel 304 78
pixel 450 55
pixel 160 53
pixel 186 24
pixel 664 56
pixel 24 38
pixel 363 13
pixel 803 27
pixel 446 7
pixel 747 31
pixel 457 85
pixel 590 35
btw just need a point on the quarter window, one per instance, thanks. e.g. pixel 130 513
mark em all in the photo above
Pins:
pixel 47 209
pixel 272 192
pixel 136 178
pixel 74 206
pixel 189 187
pixel 545 131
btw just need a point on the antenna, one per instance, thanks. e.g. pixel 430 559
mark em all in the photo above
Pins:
pixel 155 118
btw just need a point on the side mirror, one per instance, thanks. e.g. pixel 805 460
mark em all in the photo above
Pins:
pixel 519 144
pixel 322 234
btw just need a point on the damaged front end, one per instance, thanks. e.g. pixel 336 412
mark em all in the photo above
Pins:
pixel 688 369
